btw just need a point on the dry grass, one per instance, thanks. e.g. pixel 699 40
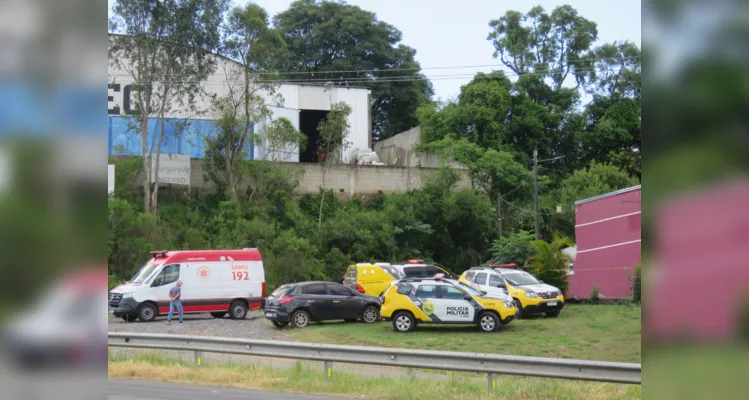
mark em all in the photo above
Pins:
pixel 305 380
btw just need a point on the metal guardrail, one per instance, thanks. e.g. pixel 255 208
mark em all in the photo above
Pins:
pixel 491 364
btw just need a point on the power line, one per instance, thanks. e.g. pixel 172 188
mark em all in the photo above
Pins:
pixel 388 70
pixel 367 80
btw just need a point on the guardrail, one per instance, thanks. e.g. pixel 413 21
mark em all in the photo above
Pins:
pixel 491 364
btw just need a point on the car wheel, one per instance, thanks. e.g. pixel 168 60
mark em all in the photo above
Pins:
pixel 300 319
pixel 147 312
pixel 238 309
pixel 488 322
pixel 518 309
pixel 552 314
pixel 370 314
pixel 218 314
pixel 279 324
pixel 129 318
pixel 404 322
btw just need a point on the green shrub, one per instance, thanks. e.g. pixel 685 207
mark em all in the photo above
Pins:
pixel 637 284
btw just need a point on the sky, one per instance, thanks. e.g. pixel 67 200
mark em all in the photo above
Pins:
pixel 446 33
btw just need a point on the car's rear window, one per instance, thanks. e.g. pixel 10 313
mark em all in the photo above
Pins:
pixel 351 273
pixel 404 288
pixel 422 272
pixel 282 290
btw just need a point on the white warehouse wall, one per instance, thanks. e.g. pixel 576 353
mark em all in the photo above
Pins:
pixel 286 102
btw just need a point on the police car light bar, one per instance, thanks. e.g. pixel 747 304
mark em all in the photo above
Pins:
pixel 415 261
pixel 439 276
pixel 504 265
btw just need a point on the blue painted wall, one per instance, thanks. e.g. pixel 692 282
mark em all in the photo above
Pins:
pixel 190 142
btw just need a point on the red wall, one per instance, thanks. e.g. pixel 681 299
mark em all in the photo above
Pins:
pixel 607 233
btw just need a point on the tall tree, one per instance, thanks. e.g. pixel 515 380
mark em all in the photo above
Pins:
pixel 333 132
pixel 164 50
pixel 249 40
pixel 551 46
pixel 341 43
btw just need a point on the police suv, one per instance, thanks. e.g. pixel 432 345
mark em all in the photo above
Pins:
pixel 413 301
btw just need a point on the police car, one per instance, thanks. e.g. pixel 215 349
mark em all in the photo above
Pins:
pixel 437 300
pixel 530 295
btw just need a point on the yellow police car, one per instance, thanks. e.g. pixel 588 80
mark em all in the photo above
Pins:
pixel 413 301
pixel 374 278
pixel 530 295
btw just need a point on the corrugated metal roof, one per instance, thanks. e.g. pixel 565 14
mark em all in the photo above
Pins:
pixel 603 196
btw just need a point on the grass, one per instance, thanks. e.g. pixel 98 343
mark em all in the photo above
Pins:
pixel 588 332
pixel 302 379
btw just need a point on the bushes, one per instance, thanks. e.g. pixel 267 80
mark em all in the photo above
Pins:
pixel 637 284
pixel 549 263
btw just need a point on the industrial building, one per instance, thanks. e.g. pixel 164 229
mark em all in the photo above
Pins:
pixel 608 236
pixel 304 105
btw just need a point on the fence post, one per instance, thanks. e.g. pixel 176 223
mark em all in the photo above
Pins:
pixel 329 369
pixel 198 358
pixel 492 382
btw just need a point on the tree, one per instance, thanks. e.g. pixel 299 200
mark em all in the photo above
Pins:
pixel 514 248
pixel 617 71
pixel 333 132
pixel 341 43
pixel 550 46
pixel 278 140
pixel 595 180
pixel 257 48
pixel 163 40
pixel 495 173
pixel 549 263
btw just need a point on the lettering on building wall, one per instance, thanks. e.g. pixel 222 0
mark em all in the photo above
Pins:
pixel 118 94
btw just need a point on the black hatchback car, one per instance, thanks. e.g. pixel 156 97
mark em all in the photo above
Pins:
pixel 304 302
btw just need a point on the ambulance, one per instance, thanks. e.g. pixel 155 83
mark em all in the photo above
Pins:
pixel 218 282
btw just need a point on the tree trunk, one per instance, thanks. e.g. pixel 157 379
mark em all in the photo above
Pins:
pixel 322 200
pixel 499 215
pixel 146 164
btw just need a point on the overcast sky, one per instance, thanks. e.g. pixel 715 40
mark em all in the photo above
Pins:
pixel 447 33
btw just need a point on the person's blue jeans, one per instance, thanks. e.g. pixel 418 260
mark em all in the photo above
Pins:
pixel 176 304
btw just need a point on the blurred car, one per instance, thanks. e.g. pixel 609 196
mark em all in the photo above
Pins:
pixel 374 279
pixel 66 328
pixel 530 295
pixel 304 302
pixel 436 300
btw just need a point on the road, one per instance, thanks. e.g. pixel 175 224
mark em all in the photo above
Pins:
pixel 124 389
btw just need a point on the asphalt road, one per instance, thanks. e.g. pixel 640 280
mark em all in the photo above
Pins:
pixel 124 389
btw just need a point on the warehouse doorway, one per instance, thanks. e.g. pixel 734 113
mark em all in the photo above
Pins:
pixel 308 122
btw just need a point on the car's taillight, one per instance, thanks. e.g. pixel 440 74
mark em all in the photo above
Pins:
pixel 359 288
pixel 285 300
pixel 263 290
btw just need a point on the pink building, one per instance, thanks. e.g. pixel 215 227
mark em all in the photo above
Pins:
pixel 607 233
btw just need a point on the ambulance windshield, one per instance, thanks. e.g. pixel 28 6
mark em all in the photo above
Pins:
pixel 144 273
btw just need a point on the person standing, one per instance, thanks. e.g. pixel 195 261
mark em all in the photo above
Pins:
pixel 175 296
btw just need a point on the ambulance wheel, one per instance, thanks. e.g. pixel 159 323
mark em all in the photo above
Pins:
pixel 147 312
pixel 300 319
pixel 488 322
pixel 279 324
pixel 404 322
pixel 218 314
pixel 129 318
pixel 238 310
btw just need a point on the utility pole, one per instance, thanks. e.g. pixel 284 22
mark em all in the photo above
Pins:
pixel 535 191
pixel 499 215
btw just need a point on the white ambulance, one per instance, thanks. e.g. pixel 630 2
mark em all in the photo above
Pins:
pixel 213 281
